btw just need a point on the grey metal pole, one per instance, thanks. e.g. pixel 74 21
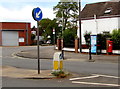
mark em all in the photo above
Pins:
pixel 80 39
pixel 62 33
pixel 90 56
pixel 54 37
pixel 38 47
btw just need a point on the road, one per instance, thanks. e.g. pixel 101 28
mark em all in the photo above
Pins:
pixel 72 66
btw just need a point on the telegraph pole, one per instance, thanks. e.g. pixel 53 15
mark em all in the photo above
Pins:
pixel 80 39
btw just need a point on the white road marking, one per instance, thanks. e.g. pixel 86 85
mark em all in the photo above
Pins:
pixel 84 77
pixel 106 76
pixel 103 84
pixel 94 76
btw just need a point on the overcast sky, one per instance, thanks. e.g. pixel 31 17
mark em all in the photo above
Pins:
pixel 21 10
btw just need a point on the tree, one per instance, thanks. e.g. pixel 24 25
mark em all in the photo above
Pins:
pixel 69 11
pixel 66 16
pixel 46 28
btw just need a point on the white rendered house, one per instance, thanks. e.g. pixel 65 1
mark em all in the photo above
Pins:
pixel 100 17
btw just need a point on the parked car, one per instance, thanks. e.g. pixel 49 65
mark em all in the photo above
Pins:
pixel 48 42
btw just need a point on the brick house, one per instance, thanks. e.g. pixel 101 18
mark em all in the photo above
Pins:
pixel 15 33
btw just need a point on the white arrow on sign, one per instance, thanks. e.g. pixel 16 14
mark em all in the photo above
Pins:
pixel 37 14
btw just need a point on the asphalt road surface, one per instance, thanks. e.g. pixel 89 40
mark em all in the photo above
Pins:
pixel 77 67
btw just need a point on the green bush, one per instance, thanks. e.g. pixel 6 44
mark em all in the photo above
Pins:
pixel 60 74
pixel 116 38
pixel 87 37
pixel 69 37
pixel 101 40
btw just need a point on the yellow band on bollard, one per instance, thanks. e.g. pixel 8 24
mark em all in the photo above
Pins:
pixel 61 65
pixel 55 65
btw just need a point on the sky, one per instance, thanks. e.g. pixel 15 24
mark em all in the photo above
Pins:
pixel 21 10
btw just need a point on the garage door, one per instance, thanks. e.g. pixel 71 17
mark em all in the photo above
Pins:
pixel 10 38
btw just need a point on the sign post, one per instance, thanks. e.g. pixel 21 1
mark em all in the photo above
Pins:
pixel 37 16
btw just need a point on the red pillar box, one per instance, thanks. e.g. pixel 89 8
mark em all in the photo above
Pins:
pixel 110 47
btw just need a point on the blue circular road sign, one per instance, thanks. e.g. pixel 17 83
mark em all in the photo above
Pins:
pixel 37 14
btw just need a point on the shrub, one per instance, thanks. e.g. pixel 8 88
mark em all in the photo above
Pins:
pixel 69 37
pixel 60 74
pixel 101 40
pixel 87 37
pixel 116 38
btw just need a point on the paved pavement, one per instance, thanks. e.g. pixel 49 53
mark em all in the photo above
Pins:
pixel 13 72
pixel 48 52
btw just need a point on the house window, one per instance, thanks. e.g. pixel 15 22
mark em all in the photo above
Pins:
pixel 108 11
pixel 21 39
